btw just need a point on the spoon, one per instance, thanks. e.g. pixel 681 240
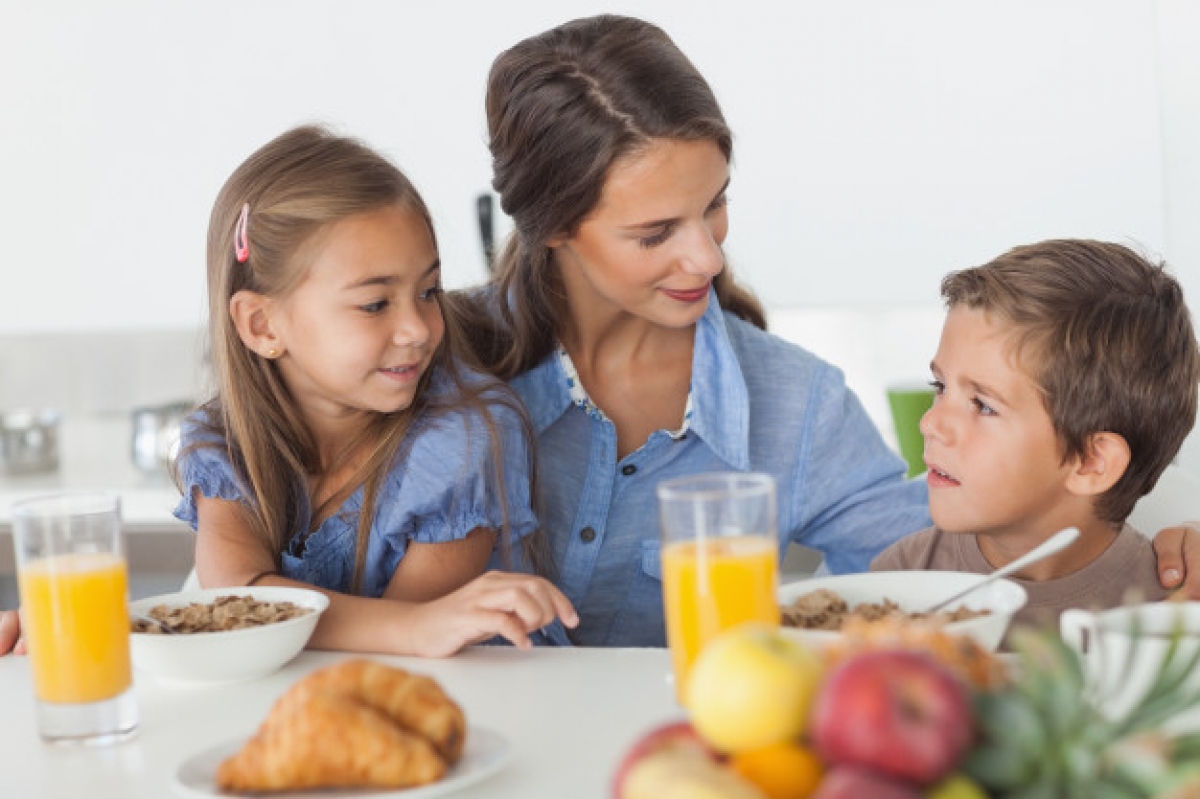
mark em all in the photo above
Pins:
pixel 1055 543
pixel 162 626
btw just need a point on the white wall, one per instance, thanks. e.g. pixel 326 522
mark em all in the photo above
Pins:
pixel 879 143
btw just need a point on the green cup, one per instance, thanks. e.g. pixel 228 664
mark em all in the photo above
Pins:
pixel 909 403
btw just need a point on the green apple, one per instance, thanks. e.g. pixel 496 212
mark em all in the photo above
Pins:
pixel 750 687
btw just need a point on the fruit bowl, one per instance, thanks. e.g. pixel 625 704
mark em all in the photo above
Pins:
pixel 229 655
pixel 914 591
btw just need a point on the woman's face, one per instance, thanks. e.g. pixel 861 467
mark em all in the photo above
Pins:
pixel 652 245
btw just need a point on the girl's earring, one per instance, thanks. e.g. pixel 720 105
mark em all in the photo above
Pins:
pixel 271 353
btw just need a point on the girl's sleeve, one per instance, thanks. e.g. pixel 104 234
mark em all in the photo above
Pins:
pixel 203 469
pixel 448 485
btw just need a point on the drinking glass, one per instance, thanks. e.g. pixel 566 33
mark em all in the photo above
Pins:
pixel 73 583
pixel 720 559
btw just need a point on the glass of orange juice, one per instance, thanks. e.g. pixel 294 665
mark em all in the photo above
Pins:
pixel 73 584
pixel 720 559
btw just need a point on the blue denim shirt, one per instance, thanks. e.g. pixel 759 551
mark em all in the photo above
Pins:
pixel 441 491
pixel 758 404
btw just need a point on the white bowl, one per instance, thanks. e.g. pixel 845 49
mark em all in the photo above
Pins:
pixel 916 591
pixel 230 655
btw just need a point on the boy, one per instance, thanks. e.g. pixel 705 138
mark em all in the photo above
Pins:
pixel 1066 381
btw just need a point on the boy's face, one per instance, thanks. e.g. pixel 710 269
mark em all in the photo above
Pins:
pixel 995 463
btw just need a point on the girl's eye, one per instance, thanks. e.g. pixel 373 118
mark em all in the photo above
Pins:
pixel 983 408
pixel 657 238
pixel 374 307
pixel 938 387
pixel 430 293
pixel 719 203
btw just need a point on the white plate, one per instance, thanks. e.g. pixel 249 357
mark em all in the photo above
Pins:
pixel 486 753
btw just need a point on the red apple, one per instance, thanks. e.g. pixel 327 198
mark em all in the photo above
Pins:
pixel 676 736
pixel 850 783
pixel 896 713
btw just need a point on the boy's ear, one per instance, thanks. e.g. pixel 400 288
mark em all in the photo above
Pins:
pixel 1101 466
pixel 250 312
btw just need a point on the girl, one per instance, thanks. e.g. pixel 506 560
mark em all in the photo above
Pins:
pixel 639 358
pixel 347 447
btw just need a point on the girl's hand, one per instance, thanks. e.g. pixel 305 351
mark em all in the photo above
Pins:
pixel 10 633
pixel 1178 552
pixel 495 603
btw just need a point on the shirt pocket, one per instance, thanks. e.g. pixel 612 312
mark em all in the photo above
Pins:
pixel 652 559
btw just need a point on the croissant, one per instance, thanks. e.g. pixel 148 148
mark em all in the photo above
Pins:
pixel 323 740
pixel 415 702
pixel 355 724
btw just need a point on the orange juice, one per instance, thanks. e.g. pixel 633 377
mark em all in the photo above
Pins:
pixel 74 613
pixel 712 585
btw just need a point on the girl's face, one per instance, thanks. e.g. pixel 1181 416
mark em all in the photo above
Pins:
pixel 652 245
pixel 363 326
pixel 995 462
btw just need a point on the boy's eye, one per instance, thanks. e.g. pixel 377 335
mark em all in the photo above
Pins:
pixel 983 408
pixel 938 387
pixel 374 307
pixel 430 293
pixel 657 238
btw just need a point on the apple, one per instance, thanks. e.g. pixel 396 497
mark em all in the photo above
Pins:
pixel 852 783
pixel 895 713
pixel 750 687
pixel 674 762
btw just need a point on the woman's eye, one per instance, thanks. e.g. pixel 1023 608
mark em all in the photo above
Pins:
pixel 719 203
pixel 374 307
pixel 657 238
pixel 430 293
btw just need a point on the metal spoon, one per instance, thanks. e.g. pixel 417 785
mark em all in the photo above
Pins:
pixel 162 626
pixel 1055 543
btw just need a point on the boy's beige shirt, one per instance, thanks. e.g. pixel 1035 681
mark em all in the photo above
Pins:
pixel 1128 568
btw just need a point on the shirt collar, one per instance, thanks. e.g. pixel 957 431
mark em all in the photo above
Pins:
pixel 721 416
pixel 720 399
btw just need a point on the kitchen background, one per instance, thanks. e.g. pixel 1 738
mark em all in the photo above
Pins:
pixel 879 144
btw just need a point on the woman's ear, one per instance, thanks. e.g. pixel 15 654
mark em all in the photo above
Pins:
pixel 1100 467
pixel 250 312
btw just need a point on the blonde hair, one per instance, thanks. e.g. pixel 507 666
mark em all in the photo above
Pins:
pixel 296 186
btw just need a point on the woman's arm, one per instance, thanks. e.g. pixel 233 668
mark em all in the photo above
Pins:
pixel 416 615
pixel 1178 551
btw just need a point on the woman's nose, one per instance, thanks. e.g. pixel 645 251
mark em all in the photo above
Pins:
pixel 704 255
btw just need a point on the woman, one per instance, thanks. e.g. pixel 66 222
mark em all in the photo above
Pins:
pixel 616 318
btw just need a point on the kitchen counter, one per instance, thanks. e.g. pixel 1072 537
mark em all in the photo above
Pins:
pixel 95 455
pixel 567 714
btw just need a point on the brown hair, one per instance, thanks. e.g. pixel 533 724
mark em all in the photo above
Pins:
pixel 296 186
pixel 562 107
pixel 1107 337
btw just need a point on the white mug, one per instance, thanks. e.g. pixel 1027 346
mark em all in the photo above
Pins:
pixel 1105 639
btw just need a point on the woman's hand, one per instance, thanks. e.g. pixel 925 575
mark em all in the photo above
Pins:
pixel 10 633
pixel 495 603
pixel 1178 552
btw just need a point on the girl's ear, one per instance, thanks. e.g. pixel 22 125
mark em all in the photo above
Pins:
pixel 1102 465
pixel 250 312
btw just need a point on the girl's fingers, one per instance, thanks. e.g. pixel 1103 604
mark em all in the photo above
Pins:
pixel 10 633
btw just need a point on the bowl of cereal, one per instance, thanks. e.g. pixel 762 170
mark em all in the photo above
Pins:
pixel 222 634
pixel 814 611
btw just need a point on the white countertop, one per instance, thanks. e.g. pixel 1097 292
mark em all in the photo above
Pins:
pixel 95 455
pixel 569 714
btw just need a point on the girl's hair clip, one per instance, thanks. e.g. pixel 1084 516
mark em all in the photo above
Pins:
pixel 241 241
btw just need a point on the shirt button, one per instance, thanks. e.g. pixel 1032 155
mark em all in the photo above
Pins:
pixel 588 535
pixel 628 469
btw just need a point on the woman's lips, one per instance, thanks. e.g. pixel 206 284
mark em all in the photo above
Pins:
pixel 694 295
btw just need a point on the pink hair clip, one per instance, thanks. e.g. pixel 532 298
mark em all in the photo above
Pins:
pixel 241 242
